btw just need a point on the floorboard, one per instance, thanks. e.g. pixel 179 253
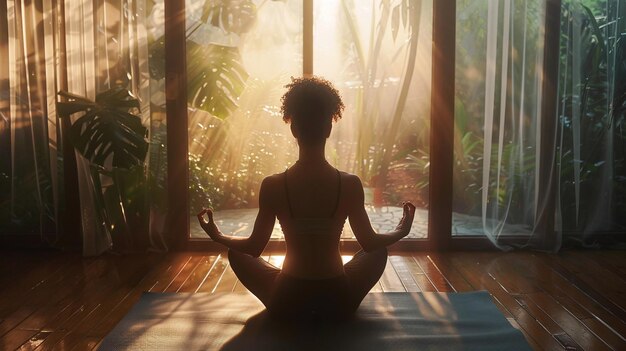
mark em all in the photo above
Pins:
pixel 573 300
pixel 390 281
pixel 405 268
pixel 202 269
pixel 438 280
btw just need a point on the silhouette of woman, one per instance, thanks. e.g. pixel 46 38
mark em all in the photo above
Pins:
pixel 311 200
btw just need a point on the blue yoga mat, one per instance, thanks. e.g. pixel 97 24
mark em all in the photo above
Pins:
pixel 385 321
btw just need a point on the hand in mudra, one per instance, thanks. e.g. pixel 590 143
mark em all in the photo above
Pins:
pixel 407 218
pixel 209 226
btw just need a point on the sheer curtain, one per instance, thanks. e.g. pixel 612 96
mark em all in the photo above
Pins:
pixel 500 53
pixel 497 134
pixel 511 132
pixel 592 108
pixel 88 46
pixel 84 47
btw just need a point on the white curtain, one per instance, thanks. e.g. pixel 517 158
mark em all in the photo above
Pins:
pixel 499 74
pixel 84 47
pixel 592 108
pixel 500 53
pixel 511 149
pixel 88 46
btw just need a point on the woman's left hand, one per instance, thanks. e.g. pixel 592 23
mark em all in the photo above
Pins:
pixel 407 218
pixel 209 226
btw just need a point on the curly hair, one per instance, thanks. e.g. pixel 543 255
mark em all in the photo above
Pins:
pixel 308 103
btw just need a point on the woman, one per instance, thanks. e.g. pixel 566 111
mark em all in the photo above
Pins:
pixel 311 200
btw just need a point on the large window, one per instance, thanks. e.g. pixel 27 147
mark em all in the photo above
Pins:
pixel 379 55
pixel 240 56
pixel 499 61
pixel 499 119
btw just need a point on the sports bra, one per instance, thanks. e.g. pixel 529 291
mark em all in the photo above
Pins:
pixel 312 225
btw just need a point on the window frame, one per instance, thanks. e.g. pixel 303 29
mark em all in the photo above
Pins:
pixel 439 235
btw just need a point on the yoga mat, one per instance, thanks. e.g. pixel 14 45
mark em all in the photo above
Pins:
pixel 385 321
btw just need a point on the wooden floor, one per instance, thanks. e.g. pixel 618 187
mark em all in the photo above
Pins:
pixel 575 300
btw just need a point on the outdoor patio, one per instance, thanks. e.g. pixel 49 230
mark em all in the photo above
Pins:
pixel 384 219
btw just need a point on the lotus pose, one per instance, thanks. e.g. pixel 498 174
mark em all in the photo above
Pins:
pixel 311 200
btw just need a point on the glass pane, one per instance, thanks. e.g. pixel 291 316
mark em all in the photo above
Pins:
pixel 499 53
pixel 592 110
pixel 240 55
pixel 157 157
pixel 378 54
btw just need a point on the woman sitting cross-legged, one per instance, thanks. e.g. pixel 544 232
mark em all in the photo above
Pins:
pixel 311 200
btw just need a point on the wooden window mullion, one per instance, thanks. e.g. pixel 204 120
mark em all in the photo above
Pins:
pixel 177 124
pixel 442 125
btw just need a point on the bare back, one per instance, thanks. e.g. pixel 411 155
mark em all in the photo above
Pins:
pixel 312 205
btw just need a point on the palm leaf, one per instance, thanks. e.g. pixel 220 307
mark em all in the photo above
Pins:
pixel 156 58
pixel 233 16
pixel 216 78
pixel 107 130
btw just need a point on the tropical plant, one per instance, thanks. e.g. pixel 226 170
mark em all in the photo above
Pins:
pixel 410 11
pixel 204 185
pixel 216 75
pixel 217 80
pixel 507 190
pixel 28 204
pixel 592 105
pixel 373 158
pixel 113 139
pixel 107 130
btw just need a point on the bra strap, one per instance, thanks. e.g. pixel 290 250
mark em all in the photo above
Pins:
pixel 287 195
pixel 338 193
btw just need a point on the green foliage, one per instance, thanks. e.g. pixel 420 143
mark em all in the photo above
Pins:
pixel 593 138
pixel 157 168
pixel 511 171
pixel 230 175
pixel 106 129
pixel 216 78
pixel 509 189
pixel 27 206
pixel 120 196
pixel 405 13
pixel 27 199
pixel 376 135
pixel 204 185
pixel 233 16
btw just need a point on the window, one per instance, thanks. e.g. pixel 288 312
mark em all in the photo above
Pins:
pixel 499 61
pixel 240 56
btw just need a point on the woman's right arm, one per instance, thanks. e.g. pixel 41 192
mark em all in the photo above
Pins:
pixel 362 228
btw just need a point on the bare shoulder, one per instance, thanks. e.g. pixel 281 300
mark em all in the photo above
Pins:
pixel 352 191
pixel 267 193
pixel 352 181
pixel 271 183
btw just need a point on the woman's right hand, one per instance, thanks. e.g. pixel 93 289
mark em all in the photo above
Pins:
pixel 209 226
pixel 407 218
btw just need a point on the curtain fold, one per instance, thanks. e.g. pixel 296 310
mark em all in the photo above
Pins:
pixel 85 47
pixel 589 155
pixel 89 46
pixel 498 83
pixel 592 103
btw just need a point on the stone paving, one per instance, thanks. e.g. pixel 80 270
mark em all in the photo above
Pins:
pixel 384 219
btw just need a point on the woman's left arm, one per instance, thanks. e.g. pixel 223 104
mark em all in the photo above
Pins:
pixel 263 226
